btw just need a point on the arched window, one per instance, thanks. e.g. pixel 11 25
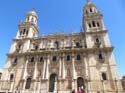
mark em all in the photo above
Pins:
pixel 20 33
pixel 89 25
pixel 32 59
pixel 57 44
pixel 90 9
pixel 86 12
pixel 28 83
pixel 93 23
pixel 78 57
pixel 41 59
pixel 32 19
pixel 77 45
pixel 15 60
pixel 36 47
pixel 27 18
pixel 100 56
pixel 24 31
pixel 52 84
pixel 19 46
pixel 98 24
pixel 54 58
pixel 11 77
pixel 68 58
pixel 97 40
pixel 27 32
pixel 104 77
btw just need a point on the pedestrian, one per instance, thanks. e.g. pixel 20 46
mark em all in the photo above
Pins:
pixel 82 89
pixel 79 90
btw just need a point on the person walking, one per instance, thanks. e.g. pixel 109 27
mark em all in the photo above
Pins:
pixel 79 90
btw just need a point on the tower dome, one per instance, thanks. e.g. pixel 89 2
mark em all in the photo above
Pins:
pixel 90 8
pixel 32 17
pixel 33 13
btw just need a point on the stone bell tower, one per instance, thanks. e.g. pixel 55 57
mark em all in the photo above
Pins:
pixel 92 18
pixel 93 23
pixel 103 73
pixel 28 28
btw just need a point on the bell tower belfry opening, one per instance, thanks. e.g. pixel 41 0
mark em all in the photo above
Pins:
pixel 92 18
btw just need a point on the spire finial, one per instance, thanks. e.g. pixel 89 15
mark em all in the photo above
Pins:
pixel 88 1
pixel 33 9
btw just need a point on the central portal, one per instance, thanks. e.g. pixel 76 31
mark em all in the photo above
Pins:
pixel 80 85
pixel 53 83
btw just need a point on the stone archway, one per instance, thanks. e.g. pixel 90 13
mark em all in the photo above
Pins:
pixel 80 83
pixel 53 83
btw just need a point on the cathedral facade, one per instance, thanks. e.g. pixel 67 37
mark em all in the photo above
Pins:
pixel 61 63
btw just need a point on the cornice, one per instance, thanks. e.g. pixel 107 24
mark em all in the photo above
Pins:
pixel 24 24
pixel 96 32
pixel 72 50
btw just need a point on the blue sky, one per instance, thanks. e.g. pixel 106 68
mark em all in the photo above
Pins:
pixel 62 16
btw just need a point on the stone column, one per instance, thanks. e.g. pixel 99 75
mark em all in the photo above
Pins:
pixel 25 74
pixel 87 73
pixel 73 66
pixel 11 86
pixel 44 66
pixel 86 66
pixel 60 68
pixel 47 71
pixel 74 87
pixel 103 26
pixel 25 69
pixel 63 68
pixel 39 85
pixel 35 76
pixel 35 71
pixel 47 67
pixel 60 72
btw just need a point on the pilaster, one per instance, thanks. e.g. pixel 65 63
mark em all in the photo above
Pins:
pixel 44 68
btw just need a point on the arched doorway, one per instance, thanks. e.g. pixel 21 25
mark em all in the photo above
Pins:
pixel 53 83
pixel 80 83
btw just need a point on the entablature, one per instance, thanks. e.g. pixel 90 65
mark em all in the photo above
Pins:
pixel 46 52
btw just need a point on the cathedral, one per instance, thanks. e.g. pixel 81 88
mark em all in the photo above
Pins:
pixel 62 63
